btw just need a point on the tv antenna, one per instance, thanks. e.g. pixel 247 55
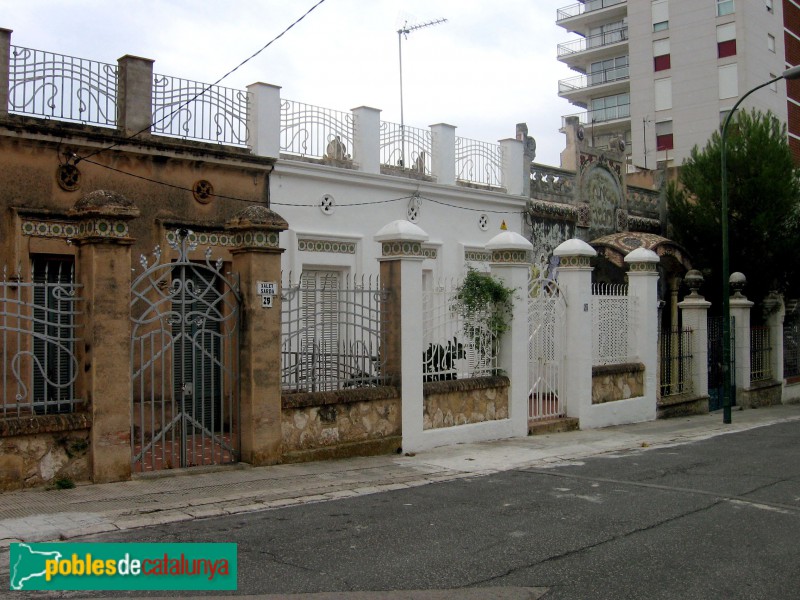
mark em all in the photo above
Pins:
pixel 403 32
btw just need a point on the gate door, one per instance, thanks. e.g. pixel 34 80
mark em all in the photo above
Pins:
pixel 184 362
pixel 715 379
pixel 546 315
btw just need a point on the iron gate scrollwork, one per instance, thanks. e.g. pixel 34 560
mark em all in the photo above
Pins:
pixel 184 361
pixel 546 343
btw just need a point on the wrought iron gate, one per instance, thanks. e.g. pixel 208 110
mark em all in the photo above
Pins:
pixel 184 361
pixel 546 315
pixel 715 379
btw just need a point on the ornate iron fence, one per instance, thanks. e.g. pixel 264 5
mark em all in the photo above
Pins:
pixel 760 354
pixel 610 322
pixel 791 349
pixel 46 84
pixel 331 332
pixel 478 162
pixel 198 111
pixel 676 349
pixel 314 132
pixel 39 323
pixel 405 147
pixel 454 347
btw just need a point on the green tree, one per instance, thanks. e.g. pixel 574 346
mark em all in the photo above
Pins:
pixel 763 208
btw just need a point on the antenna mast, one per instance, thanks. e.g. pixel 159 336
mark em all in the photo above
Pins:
pixel 404 31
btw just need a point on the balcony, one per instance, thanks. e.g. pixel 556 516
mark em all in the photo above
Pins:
pixel 582 88
pixel 612 119
pixel 580 17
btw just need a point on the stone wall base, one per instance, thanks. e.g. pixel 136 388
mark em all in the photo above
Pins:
pixel 464 401
pixel 388 445
pixel 681 405
pixel 44 450
pixel 763 393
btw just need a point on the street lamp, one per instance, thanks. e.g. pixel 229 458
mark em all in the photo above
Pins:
pixel 792 73
pixel 404 31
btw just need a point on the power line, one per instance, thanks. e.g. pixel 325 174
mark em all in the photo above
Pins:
pixel 77 159
pixel 293 204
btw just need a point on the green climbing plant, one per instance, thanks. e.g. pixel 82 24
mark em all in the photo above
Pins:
pixel 484 302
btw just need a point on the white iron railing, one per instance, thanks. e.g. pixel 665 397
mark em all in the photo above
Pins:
pixel 405 147
pixel 198 111
pixel 610 323
pixel 46 84
pixel 454 347
pixel 478 162
pixel 39 323
pixel 309 131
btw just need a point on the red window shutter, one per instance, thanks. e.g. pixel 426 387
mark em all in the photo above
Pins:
pixel 726 48
pixel 662 62
pixel 664 142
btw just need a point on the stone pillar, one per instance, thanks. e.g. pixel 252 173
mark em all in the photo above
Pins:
pixel 401 274
pixel 135 94
pixel 575 281
pixel 104 377
pixel 740 312
pixel 513 167
pixel 773 303
pixel 643 336
pixel 257 257
pixel 443 153
pixel 694 316
pixel 367 139
pixel 5 57
pixel 510 263
pixel 264 119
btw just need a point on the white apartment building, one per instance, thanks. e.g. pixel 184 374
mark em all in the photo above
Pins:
pixel 661 74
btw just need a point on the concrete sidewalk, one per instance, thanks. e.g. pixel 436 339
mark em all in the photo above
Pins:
pixel 48 515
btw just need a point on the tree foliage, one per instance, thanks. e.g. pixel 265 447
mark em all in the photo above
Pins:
pixel 763 208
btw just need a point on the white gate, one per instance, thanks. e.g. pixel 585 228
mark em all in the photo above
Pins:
pixel 546 315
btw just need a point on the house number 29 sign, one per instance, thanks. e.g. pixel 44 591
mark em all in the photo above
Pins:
pixel 267 290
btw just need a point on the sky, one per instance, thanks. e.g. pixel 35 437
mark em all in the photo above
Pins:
pixel 490 66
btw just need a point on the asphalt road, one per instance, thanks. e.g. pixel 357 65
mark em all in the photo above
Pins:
pixel 713 519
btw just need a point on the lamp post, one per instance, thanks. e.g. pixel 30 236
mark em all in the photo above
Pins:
pixel 792 73
pixel 404 31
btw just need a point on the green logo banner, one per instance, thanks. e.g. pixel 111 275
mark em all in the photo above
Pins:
pixel 67 566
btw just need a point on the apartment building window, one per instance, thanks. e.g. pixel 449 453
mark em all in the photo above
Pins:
pixel 774 85
pixel 660 15
pixel 663 93
pixel 771 42
pixel 725 7
pixel 610 33
pixel 608 70
pixel 726 40
pixel 664 140
pixel 769 5
pixel 610 108
pixel 728 81
pixel 661 57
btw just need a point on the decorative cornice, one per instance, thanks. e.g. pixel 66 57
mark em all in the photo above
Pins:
pixel 574 262
pixel 552 210
pixel 477 256
pixel 399 249
pixel 206 238
pixel 429 252
pixel 643 224
pixel 326 245
pixel 49 229
pixel 643 267
pixel 98 227
pixel 511 256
